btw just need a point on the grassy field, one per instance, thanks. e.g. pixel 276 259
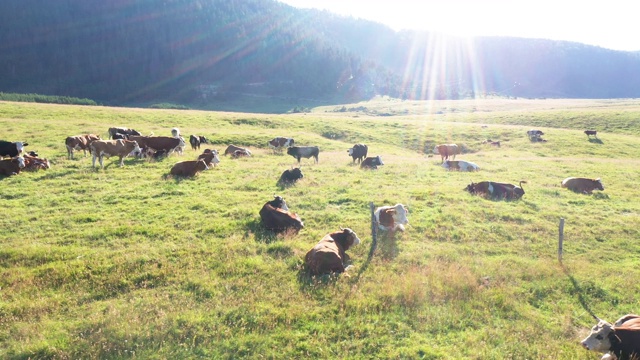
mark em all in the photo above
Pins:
pixel 122 263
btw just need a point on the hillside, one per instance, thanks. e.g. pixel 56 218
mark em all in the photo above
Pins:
pixel 125 263
pixel 216 54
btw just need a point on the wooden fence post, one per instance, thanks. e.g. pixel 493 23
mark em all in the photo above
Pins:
pixel 374 230
pixel 560 239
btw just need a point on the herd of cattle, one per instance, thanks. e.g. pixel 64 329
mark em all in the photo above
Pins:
pixel 620 340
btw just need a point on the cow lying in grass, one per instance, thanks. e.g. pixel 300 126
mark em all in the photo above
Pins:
pixel 618 341
pixel 391 218
pixel 189 168
pixel 582 185
pixel 328 256
pixel 275 216
pixel 13 166
pixel 497 190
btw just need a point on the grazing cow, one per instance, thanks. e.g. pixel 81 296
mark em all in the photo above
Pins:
pixel 446 150
pixel 328 256
pixel 497 190
pixel 79 142
pixel 11 149
pixel 534 135
pixel 120 130
pixel 391 218
pixel 460 165
pixel 290 176
pixel 12 166
pixel 189 168
pixel 279 143
pixel 582 185
pixel 306 152
pixel 108 148
pixel 197 140
pixel 591 132
pixel 618 341
pixel 157 143
pixel 231 149
pixel 275 216
pixel 210 157
pixel 33 163
pixel 371 163
pixel 358 151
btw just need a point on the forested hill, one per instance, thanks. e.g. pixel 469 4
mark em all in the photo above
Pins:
pixel 193 51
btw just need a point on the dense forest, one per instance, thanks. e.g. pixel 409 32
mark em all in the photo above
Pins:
pixel 193 51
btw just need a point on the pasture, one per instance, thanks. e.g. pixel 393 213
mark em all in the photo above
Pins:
pixel 123 263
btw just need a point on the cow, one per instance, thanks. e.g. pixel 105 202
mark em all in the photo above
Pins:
pixel 618 341
pixel 492 143
pixel 328 255
pixel 371 163
pixel 582 185
pixel 290 176
pixel 79 142
pixel 33 163
pixel 120 130
pixel 391 218
pixel 108 148
pixel 210 157
pixel 460 165
pixel 119 136
pixel 534 135
pixel 306 152
pixel 497 190
pixel 189 168
pixel 240 153
pixel 446 150
pixel 157 143
pixel 591 132
pixel 11 149
pixel 12 166
pixel 276 217
pixel 231 149
pixel 197 140
pixel 358 151
pixel 278 143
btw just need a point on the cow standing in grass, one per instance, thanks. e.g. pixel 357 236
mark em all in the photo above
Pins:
pixel 108 148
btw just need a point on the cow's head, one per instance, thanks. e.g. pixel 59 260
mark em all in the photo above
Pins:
pixel 296 173
pixel 435 149
pixel 350 151
pixel 20 161
pixel 598 184
pixel 471 188
pixel 279 203
pixel 20 146
pixel 377 161
pixel 175 132
pixel 400 213
pixel 204 140
pixel 599 338
pixel 351 237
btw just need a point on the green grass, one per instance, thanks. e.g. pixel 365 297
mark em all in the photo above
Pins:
pixel 121 263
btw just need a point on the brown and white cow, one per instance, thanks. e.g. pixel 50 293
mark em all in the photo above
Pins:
pixel 12 166
pixel 460 165
pixel 108 148
pixel 231 149
pixel 582 185
pixel 210 157
pixel 306 152
pixel 391 218
pixel 159 143
pixel 275 216
pixel 278 143
pixel 240 153
pixel 189 168
pixel 497 190
pixel 618 341
pixel 79 142
pixel 328 255
pixel 34 163
pixel 447 150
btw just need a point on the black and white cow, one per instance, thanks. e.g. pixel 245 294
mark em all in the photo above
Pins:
pixel 11 149
pixel 290 176
pixel 197 140
pixel 371 163
pixel 359 152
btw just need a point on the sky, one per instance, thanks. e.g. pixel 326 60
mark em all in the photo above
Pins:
pixel 610 24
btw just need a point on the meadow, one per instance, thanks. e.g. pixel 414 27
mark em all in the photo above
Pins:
pixel 123 263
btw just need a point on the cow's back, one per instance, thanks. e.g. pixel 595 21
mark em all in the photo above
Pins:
pixel 325 257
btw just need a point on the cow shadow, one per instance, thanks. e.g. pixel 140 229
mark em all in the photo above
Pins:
pixel 55 175
pixel 596 141
pixel 260 234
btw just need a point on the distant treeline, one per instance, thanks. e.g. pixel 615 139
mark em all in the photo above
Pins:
pixel 50 99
